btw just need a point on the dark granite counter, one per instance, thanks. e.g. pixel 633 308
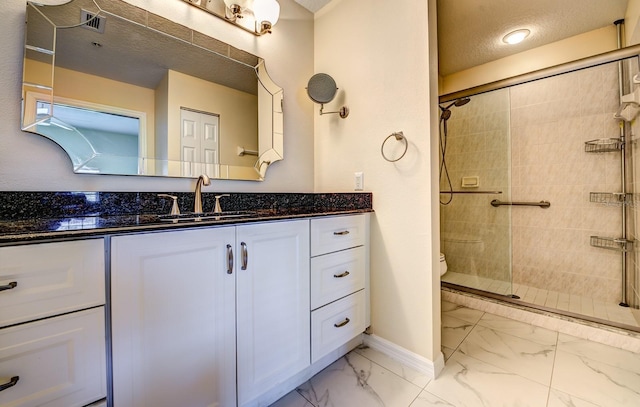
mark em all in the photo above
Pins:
pixel 41 216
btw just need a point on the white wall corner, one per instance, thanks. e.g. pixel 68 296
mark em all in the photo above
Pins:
pixel 406 357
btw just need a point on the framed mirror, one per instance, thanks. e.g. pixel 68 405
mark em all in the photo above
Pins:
pixel 127 92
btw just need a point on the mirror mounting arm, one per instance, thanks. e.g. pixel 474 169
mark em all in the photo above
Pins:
pixel 343 112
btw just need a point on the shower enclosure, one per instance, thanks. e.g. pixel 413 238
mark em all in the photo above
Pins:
pixel 538 193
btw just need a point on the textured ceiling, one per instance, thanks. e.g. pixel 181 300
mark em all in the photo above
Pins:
pixel 470 31
pixel 313 5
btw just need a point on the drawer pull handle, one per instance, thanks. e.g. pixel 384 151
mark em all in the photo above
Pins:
pixel 245 256
pixel 343 323
pixel 343 233
pixel 346 273
pixel 11 383
pixel 229 259
pixel 9 286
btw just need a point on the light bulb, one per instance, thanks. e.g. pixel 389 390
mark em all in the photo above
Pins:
pixel 266 11
pixel 516 37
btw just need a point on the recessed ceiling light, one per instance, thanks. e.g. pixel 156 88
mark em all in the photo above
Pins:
pixel 516 36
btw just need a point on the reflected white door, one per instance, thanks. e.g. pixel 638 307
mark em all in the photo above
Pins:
pixel 199 143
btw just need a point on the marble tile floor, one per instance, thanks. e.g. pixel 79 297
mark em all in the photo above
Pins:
pixel 551 299
pixel 490 361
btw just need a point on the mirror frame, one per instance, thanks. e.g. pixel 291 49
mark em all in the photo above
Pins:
pixel 270 120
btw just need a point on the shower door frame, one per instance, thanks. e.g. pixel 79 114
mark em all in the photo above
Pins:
pixel 584 63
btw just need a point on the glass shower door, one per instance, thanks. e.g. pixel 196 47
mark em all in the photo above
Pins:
pixel 475 178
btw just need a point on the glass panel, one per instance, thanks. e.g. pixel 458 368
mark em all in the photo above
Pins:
pixel 476 236
pixel 567 140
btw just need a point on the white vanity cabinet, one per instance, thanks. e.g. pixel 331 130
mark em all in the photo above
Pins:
pixel 234 315
pixel 339 281
pixel 173 318
pixel 182 300
pixel 52 319
pixel 273 299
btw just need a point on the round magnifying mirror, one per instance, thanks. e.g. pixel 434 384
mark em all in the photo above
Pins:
pixel 321 88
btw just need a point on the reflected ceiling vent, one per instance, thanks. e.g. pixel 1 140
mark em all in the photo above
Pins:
pixel 92 21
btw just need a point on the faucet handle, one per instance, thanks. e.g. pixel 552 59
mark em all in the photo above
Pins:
pixel 175 210
pixel 217 208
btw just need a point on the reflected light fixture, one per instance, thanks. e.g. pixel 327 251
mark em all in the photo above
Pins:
pixel 255 16
pixel 516 37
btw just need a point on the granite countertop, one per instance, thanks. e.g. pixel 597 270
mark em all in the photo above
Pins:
pixel 46 216
pixel 87 226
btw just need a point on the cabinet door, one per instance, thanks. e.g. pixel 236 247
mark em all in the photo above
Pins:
pixel 173 319
pixel 273 326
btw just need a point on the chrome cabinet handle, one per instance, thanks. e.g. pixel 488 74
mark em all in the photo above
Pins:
pixel 9 286
pixel 12 382
pixel 229 259
pixel 344 232
pixel 346 273
pixel 245 256
pixel 343 323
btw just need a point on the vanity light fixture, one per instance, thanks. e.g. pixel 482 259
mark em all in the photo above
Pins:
pixel 516 37
pixel 255 16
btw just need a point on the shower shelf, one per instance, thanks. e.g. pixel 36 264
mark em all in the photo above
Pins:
pixel 611 198
pixel 603 145
pixel 621 245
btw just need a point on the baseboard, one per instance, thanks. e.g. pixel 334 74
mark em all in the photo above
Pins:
pixel 406 357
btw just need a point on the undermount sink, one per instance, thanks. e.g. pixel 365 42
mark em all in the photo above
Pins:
pixel 193 217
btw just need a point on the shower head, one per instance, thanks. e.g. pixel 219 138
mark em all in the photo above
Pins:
pixel 456 103
pixel 446 112
pixel 461 102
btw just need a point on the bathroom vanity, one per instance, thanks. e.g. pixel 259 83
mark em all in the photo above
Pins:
pixel 228 313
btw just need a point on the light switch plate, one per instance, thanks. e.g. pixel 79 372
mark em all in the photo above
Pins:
pixel 359 181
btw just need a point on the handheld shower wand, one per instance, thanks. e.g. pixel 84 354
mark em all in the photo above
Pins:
pixel 445 115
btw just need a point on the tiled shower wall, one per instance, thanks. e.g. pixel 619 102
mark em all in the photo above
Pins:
pixel 550 121
pixel 546 123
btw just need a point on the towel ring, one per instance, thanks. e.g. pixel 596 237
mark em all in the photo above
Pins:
pixel 399 136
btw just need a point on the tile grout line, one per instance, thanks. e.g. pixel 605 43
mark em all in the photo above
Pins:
pixel 390 371
pixel 553 366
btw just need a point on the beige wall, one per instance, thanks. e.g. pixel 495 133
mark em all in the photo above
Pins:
pixel 632 23
pixel 379 55
pixel 25 157
pixel 94 89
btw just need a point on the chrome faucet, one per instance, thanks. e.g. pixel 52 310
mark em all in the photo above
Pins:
pixel 202 180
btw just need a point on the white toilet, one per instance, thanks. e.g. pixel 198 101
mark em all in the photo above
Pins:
pixel 443 264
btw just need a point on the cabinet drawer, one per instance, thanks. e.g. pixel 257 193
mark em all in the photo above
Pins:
pixel 337 233
pixel 52 278
pixel 60 361
pixel 337 275
pixel 336 324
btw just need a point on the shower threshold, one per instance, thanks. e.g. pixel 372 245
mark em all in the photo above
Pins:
pixel 551 303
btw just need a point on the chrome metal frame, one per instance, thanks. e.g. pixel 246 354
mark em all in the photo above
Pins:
pixel 589 62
